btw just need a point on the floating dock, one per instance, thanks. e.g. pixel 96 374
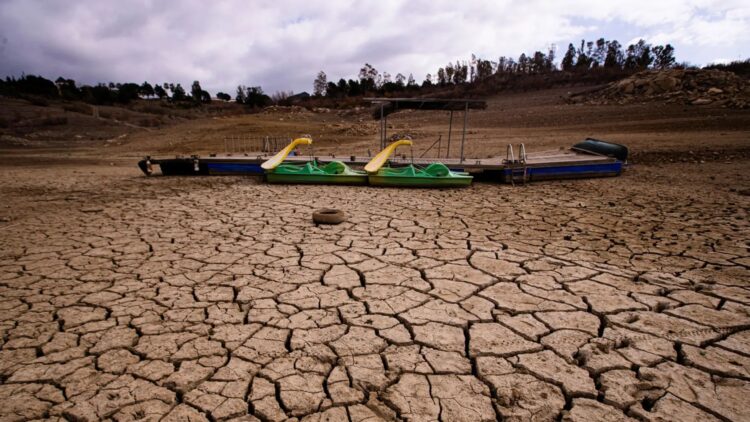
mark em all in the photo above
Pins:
pixel 590 158
pixel 546 165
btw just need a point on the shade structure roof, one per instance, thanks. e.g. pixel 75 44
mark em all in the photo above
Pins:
pixel 386 106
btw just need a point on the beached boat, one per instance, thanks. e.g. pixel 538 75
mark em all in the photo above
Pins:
pixel 435 175
pixel 604 148
pixel 333 173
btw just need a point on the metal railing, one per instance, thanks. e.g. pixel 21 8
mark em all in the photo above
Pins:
pixel 239 144
pixel 424 149
pixel 476 147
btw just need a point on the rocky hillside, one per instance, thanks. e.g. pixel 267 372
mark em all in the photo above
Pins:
pixel 696 87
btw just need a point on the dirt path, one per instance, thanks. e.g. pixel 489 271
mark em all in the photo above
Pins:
pixel 136 298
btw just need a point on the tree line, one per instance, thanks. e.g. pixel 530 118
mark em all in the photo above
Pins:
pixel 610 55
pixel 36 88
pixel 124 93
pixel 103 94
pixel 584 62
pixel 252 96
pixel 591 56
pixel 739 67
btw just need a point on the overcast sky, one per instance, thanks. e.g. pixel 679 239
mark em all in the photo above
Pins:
pixel 282 44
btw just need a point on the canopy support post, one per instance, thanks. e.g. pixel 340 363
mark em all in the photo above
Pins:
pixel 382 137
pixel 463 135
pixel 450 128
pixel 385 131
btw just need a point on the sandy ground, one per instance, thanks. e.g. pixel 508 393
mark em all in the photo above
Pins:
pixel 131 298
pixel 540 119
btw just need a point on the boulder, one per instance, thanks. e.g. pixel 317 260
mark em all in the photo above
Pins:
pixel 665 84
pixel 679 86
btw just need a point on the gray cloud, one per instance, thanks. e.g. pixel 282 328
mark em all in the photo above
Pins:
pixel 282 44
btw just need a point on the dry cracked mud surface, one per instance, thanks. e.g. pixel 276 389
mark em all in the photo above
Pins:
pixel 205 299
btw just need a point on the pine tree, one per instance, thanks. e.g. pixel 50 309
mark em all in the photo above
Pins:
pixel 663 56
pixel 368 76
pixel 570 56
pixel 178 94
pixel 196 91
pixel 160 92
pixel 146 90
pixel 241 96
pixel 319 85
pixel 615 57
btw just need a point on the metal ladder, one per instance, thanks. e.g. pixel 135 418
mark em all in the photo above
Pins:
pixel 518 170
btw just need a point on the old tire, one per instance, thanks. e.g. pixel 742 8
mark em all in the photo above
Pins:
pixel 328 216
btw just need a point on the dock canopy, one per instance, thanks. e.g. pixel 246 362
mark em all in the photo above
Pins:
pixel 386 106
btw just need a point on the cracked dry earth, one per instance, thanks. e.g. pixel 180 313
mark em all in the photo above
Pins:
pixel 129 298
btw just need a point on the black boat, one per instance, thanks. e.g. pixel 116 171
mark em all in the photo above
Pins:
pixel 599 147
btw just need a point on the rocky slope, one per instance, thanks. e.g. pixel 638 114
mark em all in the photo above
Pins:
pixel 695 87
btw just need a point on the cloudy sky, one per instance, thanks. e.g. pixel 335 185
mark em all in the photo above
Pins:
pixel 282 44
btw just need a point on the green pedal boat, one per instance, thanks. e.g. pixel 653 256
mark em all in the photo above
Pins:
pixel 333 173
pixel 435 175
